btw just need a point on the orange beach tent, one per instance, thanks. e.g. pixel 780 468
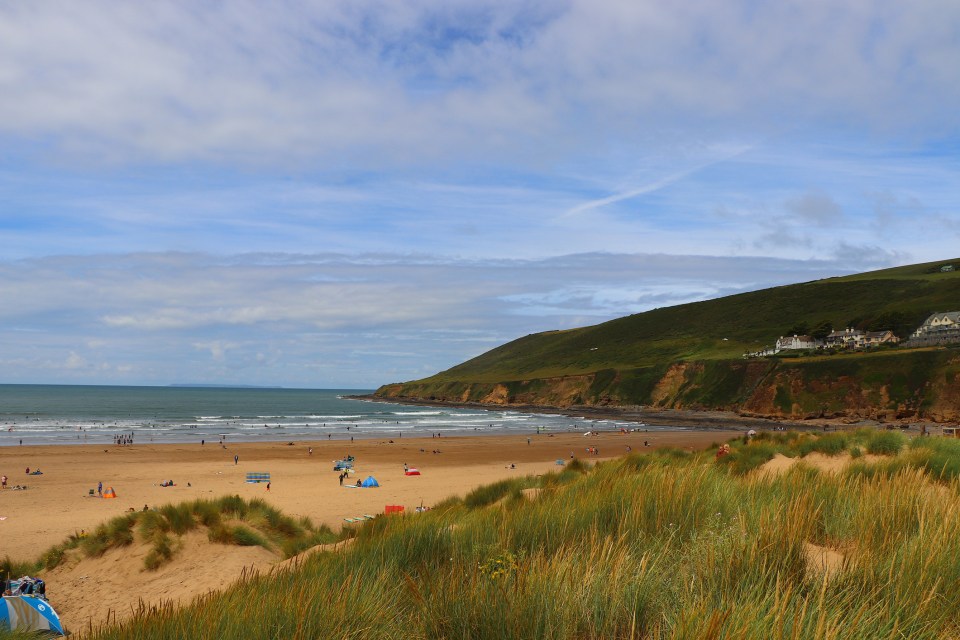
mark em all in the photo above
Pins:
pixel 109 493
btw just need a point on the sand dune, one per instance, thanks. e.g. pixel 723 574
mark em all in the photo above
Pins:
pixel 57 503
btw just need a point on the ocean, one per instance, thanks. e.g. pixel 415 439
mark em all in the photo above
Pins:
pixel 58 414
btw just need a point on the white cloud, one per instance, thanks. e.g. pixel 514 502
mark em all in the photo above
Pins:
pixel 163 318
pixel 365 84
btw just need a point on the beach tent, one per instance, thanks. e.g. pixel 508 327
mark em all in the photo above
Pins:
pixel 411 472
pixel 109 493
pixel 370 482
pixel 29 613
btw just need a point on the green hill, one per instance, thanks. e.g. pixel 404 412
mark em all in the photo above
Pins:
pixel 627 360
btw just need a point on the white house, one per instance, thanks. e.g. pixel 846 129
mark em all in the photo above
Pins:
pixel 796 342
pixel 938 322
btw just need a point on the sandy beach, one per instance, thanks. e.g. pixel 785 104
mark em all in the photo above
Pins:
pixel 57 503
pixel 96 590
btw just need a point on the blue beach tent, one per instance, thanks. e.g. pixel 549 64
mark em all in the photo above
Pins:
pixel 29 613
pixel 370 482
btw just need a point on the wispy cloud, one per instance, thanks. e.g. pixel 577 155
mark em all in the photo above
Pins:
pixel 162 318
pixel 297 192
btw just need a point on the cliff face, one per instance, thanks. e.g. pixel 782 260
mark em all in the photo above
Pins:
pixel 885 386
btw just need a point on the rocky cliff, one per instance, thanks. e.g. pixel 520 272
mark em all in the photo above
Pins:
pixel 895 385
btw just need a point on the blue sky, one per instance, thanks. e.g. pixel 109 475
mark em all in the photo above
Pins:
pixel 345 194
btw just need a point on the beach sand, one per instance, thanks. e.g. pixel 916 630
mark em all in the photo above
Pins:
pixel 57 503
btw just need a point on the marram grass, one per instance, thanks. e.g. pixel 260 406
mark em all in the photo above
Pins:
pixel 660 546
pixel 229 520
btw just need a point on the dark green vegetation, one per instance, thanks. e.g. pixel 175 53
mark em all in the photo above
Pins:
pixel 663 545
pixel 629 360
pixel 227 520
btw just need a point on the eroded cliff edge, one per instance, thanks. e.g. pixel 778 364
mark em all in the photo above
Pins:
pixel 885 386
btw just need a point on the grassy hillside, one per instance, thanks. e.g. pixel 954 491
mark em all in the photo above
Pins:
pixel 659 546
pixel 696 331
pixel 628 360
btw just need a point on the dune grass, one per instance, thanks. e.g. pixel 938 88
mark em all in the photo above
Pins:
pixel 228 520
pixel 668 545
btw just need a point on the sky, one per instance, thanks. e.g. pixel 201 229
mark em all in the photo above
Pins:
pixel 346 194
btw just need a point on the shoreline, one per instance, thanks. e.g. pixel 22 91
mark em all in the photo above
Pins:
pixel 663 419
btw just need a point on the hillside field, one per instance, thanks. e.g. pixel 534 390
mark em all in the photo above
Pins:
pixel 691 356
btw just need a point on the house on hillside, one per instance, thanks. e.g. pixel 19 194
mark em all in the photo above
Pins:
pixel 939 328
pixel 939 322
pixel 785 343
pixel 849 338
pixel 876 338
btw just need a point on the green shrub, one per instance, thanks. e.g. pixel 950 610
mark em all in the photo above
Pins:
pixel 220 534
pixel 151 523
pixel 179 517
pixel 831 444
pixel 745 459
pixel 207 513
pixel 885 443
pixel 161 552
pixel 232 506
pixel 488 494
pixel 247 537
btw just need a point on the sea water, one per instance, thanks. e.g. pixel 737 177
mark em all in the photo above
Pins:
pixel 54 414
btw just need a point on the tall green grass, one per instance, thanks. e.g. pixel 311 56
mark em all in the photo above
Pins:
pixel 655 546
pixel 228 520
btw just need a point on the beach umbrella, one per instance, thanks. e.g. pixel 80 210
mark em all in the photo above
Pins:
pixel 29 613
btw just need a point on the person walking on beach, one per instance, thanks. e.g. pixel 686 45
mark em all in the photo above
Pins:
pixel 100 489
pixel 268 486
pixel 310 451
pixel 341 479
pixel 236 459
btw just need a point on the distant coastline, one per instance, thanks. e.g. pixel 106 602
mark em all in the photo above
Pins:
pixel 221 386
pixel 715 420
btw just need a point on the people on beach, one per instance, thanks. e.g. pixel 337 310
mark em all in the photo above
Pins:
pixel 268 486
pixel 3 482
pixel 100 489
pixel 236 459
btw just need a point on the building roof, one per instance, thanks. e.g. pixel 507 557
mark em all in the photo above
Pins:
pixel 954 316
